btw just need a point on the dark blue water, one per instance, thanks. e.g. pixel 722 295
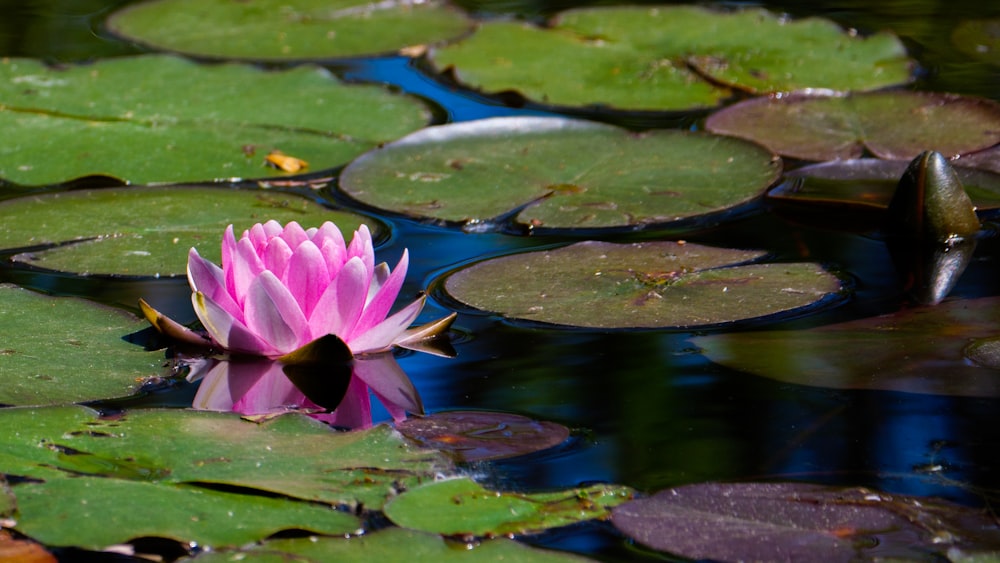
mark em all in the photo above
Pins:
pixel 647 409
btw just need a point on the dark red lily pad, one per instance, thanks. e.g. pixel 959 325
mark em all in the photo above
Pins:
pixel 895 125
pixel 479 435
pixel 800 522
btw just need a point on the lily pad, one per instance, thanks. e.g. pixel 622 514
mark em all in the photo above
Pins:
pixel 896 125
pixel 653 284
pixel 291 456
pixel 559 173
pixel 641 58
pixel 979 39
pixel 478 435
pixel 462 507
pixel 918 350
pixel 147 231
pixel 390 544
pixel 800 522
pixel 95 360
pixel 185 121
pixel 283 30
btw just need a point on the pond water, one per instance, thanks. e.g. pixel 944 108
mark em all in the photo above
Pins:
pixel 647 409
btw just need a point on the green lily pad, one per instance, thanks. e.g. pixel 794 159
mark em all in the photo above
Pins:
pixel 184 121
pixel 559 173
pixel 95 362
pixel 147 231
pixel 291 456
pixel 896 125
pixel 479 435
pixel 462 507
pixel 918 350
pixel 641 58
pixel 979 39
pixel 643 285
pixel 390 544
pixel 283 30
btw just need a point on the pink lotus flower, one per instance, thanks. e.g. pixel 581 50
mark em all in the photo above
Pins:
pixel 280 288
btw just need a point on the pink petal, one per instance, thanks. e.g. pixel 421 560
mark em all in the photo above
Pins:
pixel 390 383
pixel 328 232
pixel 381 303
pixel 334 256
pixel 271 390
pixel 226 330
pixel 361 247
pixel 341 304
pixel 294 235
pixel 307 277
pixel 206 277
pixel 228 255
pixel 247 265
pixel 273 314
pixel 276 256
pixel 379 278
pixel 382 336
pixel 355 409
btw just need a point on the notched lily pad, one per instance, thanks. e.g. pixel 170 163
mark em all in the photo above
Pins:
pixel 183 121
pixel 479 435
pixel 283 30
pixel 559 173
pixel 669 57
pixel 462 507
pixel 94 360
pixel 147 231
pixel 801 522
pixel 896 125
pixel 642 285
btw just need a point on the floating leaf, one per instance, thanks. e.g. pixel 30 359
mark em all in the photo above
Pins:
pixel 800 522
pixel 918 350
pixel 94 359
pixel 23 551
pixel 892 125
pixel 147 231
pixel 390 544
pixel 283 30
pixel 559 173
pixel 477 435
pixel 183 121
pixel 462 507
pixel 979 38
pixel 640 58
pixel 653 284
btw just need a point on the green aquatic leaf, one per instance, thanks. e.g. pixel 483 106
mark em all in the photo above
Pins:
pixel 559 173
pixel 94 359
pixel 979 38
pixel 148 231
pixel 642 285
pixel 462 507
pixel 184 121
pixel 288 30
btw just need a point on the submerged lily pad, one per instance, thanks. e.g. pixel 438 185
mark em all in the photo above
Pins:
pixel 147 231
pixel 462 507
pixel 652 284
pixel 801 522
pixel 979 38
pixel 478 435
pixel 893 125
pixel 288 30
pixel 641 58
pixel 150 459
pixel 183 121
pixel 559 173
pixel 918 350
pixel 94 359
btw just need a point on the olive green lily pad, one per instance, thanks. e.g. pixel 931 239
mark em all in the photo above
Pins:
pixel 979 39
pixel 157 472
pixel 94 360
pixel 918 350
pixel 183 121
pixel 642 285
pixel 895 125
pixel 284 30
pixel 390 544
pixel 147 231
pixel 462 507
pixel 641 58
pixel 559 173
pixel 480 435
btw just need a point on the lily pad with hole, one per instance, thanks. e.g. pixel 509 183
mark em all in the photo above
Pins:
pixel 559 173
pixel 469 436
pixel 979 38
pixel 896 125
pixel 801 522
pixel 918 350
pixel 95 360
pixel 184 121
pixel 147 231
pixel 283 30
pixel 462 507
pixel 669 57
pixel 641 285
